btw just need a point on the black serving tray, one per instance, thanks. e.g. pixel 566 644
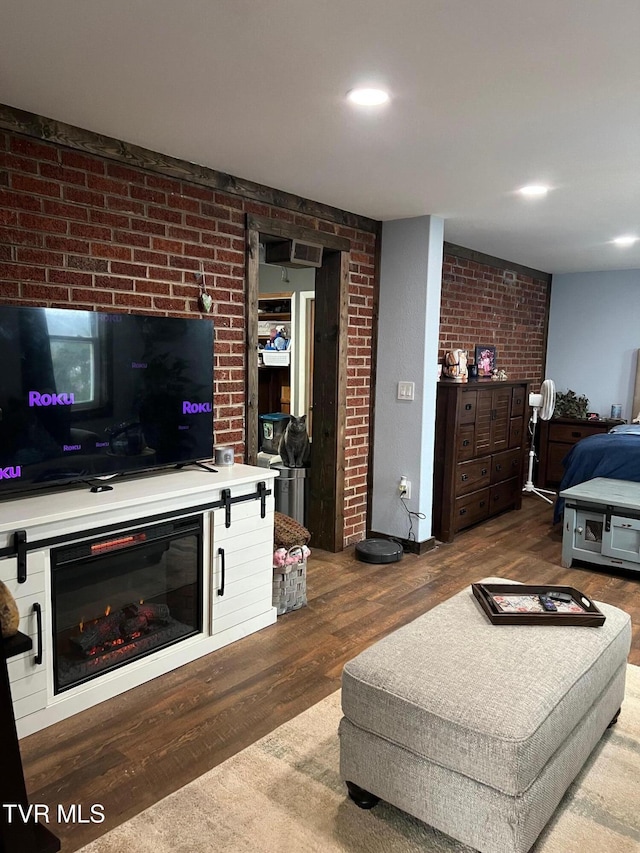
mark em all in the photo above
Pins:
pixel 484 592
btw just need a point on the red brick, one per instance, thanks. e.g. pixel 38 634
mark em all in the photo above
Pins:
pixel 184 263
pixel 160 287
pixel 6 252
pixel 130 238
pixel 195 191
pixel 99 297
pixel 113 283
pixel 143 257
pixel 45 292
pixel 15 236
pixel 31 148
pixel 92 232
pixel 216 211
pixel 60 173
pixel 61 208
pixel 257 209
pixel 77 279
pixel 18 200
pixel 107 185
pixel 127 205
pixel 110 250
pixel 161 182
pixel 66 244
pixel 41 257
pixel 8 217
pixel 42 223
pixel 164 214
pixel 9 290
pixel 145 194
pixel 221 240
pixel 188 234
pixel 134 300
pixel 80 262
pixel 105 217
pixel 230 257
pixel 17 164
pixel 147 227
pixel 162 245
pixel 125 173
pixel 82 161
pixel 134 270
pixel 81 196
pixel 180 202
pixel 165 274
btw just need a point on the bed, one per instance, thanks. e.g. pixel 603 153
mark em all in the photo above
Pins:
pixel 615 455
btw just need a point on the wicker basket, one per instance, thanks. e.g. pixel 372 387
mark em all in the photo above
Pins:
pixel 290 584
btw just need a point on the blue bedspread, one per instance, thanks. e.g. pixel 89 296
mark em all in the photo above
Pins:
pixel 616 456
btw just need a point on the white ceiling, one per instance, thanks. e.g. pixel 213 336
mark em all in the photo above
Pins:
pixel 487 95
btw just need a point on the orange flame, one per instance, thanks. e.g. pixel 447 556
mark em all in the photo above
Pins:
pixel 108 610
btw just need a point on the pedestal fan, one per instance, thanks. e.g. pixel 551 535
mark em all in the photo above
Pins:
pixel 542 406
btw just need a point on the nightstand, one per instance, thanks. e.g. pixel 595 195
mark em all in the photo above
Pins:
pixel 557 437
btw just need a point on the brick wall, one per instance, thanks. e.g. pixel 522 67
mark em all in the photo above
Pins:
pixel 78 230
pixel 486 304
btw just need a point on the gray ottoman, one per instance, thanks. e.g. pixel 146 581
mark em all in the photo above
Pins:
pixel 479 729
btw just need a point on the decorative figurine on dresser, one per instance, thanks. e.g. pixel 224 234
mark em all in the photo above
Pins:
pixel 479 452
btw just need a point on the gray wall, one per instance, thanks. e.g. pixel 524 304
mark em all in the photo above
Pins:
pixel 594 332
pixel 409 312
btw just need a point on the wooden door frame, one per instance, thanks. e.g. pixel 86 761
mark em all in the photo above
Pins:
pixel 327 471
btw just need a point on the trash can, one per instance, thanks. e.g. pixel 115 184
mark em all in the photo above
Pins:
pixel 291 492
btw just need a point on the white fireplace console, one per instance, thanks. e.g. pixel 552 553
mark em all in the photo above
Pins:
pixel 235 506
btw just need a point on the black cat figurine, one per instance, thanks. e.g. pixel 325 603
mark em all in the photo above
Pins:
pixel 295 447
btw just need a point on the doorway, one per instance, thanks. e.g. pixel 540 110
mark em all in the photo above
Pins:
pixel 328 332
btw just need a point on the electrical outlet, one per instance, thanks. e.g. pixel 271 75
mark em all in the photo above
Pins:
pixel 404 487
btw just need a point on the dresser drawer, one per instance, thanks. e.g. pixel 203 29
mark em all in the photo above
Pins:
pixel 468 404
pixel 504 495
pixel 516 430
pixel 470 509
pixel 570 434
pixel 466 438
pixel 472 475
pixel 505 465
pixel 518 399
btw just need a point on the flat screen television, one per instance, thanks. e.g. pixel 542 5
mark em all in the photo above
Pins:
pixel 85 394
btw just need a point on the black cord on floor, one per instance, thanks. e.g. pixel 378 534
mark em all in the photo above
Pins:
pixel 411 514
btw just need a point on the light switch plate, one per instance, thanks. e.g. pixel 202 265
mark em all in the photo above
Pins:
pixel 406 390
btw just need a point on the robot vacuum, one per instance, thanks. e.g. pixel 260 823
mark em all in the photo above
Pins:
pixel 379 551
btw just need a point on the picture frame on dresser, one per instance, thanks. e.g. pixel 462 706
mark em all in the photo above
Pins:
pixel 485 359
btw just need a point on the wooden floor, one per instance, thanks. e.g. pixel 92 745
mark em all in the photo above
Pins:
pixel 133 750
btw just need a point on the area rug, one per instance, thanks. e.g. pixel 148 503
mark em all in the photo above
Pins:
pixel 283 794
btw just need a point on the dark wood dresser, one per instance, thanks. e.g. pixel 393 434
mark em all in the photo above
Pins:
pixel 557 437
pixel 479 452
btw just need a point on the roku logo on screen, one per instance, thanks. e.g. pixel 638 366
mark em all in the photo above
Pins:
pixel 11 473
pixel 38 399
pixel 194 408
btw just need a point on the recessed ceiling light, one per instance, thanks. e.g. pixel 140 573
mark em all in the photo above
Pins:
pixel 368 97
pixel 534 190
pixel 628 240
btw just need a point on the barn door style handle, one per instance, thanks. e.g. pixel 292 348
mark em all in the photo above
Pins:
pixel 37 660
pixel 223 571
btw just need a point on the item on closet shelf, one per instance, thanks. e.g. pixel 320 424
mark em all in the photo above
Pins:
pixel 455 365
pixel 9 614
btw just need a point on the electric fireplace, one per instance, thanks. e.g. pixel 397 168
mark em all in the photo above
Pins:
pixel 124 596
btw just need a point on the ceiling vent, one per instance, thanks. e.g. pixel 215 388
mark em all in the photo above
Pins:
pixel 294 253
